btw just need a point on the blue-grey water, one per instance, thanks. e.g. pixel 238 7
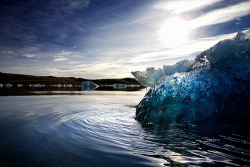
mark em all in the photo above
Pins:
pixel 97 128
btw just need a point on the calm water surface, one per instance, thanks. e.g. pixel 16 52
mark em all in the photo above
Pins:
pixel 97 128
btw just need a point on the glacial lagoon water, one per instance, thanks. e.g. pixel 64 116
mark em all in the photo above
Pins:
pixel 98 128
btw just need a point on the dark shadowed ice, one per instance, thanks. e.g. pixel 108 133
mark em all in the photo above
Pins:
pixel 215 84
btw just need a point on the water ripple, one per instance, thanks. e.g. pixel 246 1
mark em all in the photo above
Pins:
pixel 107 134
pixel 112 132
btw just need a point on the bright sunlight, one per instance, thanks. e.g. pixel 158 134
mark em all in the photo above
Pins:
pixel 174 32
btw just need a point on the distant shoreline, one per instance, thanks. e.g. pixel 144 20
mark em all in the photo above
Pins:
pixel 25 80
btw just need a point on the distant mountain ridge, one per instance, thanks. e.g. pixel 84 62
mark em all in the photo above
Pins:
pixel 30 79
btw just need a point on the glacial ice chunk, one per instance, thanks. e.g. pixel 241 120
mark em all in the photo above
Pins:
pixel 148 77
pixel 89 84
pixel 215 84
pixel 179 67
pixel 152 75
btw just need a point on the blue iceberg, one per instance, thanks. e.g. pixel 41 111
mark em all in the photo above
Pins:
pixel 88 85
pixel 214 84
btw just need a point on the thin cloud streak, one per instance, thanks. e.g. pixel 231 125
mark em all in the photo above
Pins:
pixel 61 59
pixel 29 55
pixel 173 33
pixel 107 70
pixel 179 7
pixel 222 15
pixel 193 47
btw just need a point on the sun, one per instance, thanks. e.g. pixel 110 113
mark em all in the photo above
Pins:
pixel 174 32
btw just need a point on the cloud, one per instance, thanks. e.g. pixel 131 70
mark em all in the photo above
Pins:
pixel 65 53
pixel 95 71
pixel 33 70
pixel 7 52
pixel 108 41
pixel 175 31
pixel 180 6
pixel 216 16
pixel 73 62
pixel 61 56
pixel 61 59
pixel 79 4
pixel 68 6
pixel 193 47
pixel 29 55
pixel 222 15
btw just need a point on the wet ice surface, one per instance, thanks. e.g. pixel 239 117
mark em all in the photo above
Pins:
pixel 214 84
pixel 98 129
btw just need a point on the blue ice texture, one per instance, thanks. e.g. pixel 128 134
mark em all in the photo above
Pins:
pixel 214 84
pixel 88 86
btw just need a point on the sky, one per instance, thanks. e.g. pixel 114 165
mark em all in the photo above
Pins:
pixel 110 38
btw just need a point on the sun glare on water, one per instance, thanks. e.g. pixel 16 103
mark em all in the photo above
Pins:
pixel 174 32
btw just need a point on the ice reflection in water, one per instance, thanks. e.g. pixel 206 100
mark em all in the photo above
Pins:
pixel 99 129
pixel 182 144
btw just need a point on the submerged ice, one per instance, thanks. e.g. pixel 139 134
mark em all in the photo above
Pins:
pixel 214 84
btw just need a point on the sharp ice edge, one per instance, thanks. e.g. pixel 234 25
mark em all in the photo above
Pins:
pixel 152 75
pixel 215 83
pixel 230 49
